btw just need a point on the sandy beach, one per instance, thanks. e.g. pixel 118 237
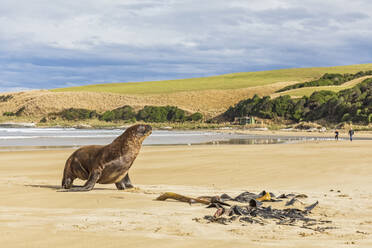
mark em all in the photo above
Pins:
pixel 337 174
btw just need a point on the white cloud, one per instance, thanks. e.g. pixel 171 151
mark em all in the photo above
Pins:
pixel 89 41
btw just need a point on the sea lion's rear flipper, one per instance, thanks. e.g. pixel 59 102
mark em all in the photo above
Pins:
pixel 67 180
pixel 93 178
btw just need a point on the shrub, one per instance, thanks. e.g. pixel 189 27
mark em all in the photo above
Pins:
pixel 5 98
pixel 161 114
pixel 370 118
pixel 195 117
pixel 108 116
pixel 153 114
pixel 73 114
pixel 8 114
pixel 282 106
pixel 346 117
pixel 124 113
pixel 20 111
pixel 175 114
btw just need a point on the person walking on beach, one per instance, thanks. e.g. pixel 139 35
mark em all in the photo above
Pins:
pixel 336 135
pixel 351 133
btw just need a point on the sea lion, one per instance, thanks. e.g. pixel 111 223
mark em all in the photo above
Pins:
pixel 105 164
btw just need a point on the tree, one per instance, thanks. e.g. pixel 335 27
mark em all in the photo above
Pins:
pixel 195 117
pixel 73 114
pixel 282 105
pixel 175 114
pixel 346 117
pixel 108 116
pixel 124 113
pixel 153 114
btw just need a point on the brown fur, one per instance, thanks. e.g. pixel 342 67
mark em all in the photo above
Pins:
pixel 105 164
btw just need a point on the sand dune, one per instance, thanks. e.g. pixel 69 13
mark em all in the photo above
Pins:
pixel 34 214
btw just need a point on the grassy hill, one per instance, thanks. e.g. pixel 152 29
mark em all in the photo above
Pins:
pixel 307 91
pixel 210 96
pixel 223 82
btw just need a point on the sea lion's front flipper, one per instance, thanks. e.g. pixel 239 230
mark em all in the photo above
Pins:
pixel 125 183
pixel 120 185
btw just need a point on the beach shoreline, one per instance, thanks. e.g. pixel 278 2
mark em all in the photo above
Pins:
pixel 300 133
pixel 55 138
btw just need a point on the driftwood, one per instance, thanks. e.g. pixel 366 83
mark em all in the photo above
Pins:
pixel 211 201
pixel 264 196
pixel 182 198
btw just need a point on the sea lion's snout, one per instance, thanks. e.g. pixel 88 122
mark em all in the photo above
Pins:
pixel 143 130
pixel 148 129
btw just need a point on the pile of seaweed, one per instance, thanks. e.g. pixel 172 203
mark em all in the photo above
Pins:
pixel 249 207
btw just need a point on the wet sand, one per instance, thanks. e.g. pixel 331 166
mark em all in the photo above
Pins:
pixel 328 134
pixel 34 214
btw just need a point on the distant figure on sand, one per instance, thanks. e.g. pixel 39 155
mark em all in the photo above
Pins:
pixel 336 135
pixel 351 133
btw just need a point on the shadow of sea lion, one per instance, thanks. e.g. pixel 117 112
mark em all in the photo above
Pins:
pixel 57 187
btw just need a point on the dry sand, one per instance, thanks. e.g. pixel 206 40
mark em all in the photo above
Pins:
pixel 34 214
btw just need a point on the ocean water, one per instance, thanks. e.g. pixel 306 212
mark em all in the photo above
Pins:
pixel 13 138
pixel 49 137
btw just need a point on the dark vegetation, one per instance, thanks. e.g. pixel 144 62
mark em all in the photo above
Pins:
pixel 73 114
pixel 5 98
pixel 328 79
pixel 8 114
pixel 161 114
pixel 127 113
pixel 353 104
pixel 19 112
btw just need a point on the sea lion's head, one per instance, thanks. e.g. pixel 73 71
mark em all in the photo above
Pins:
pixel 139 131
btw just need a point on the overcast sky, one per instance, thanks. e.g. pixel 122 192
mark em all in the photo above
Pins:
pixel 58 43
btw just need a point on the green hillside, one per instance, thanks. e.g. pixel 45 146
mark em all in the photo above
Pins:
pixel 310 90
pixel 353 104
pixel 227 81
pixel 307 91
